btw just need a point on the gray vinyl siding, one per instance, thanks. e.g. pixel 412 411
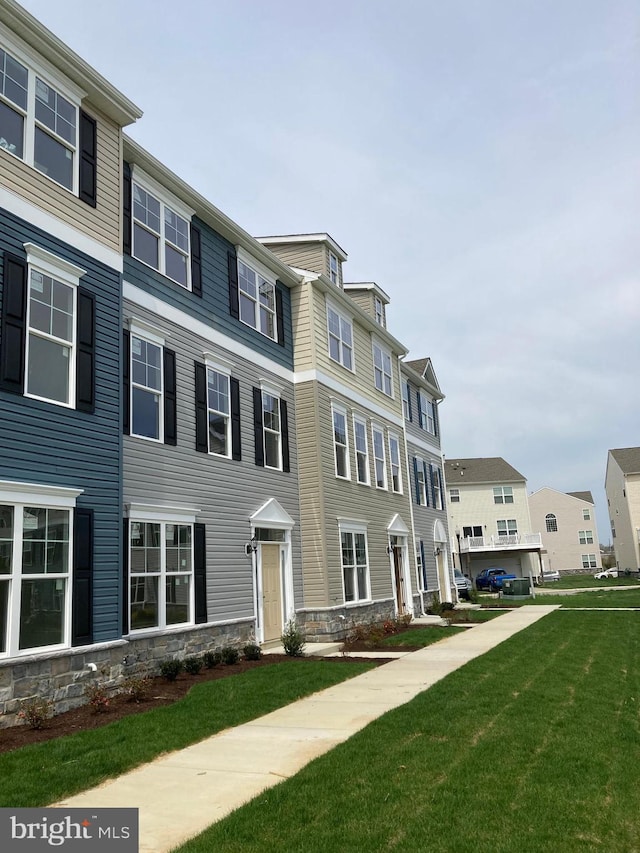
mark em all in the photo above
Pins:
pixel 213 307
pixel 225 492
pixel 46 444
pixel 425 517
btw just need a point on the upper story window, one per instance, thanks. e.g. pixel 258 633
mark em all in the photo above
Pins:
pixel 586 515
pixel 426 410
pixel 340 338
pixel 507 527
pixel 437 486
pixel 585 537
pixel 341 444
pixel 382 370
pixel 551 523
pixel 394 459
pixel 146 387
pixel 272 430
pixel 362 450
pixel 334 268
pixel 161 231
pixel 406 400
pixel 257 296
pixel 379 459
pixel 378 308
pixel 503 495
pixel 420 470
pixel 454 496
pixel 219 412
pixel 39 119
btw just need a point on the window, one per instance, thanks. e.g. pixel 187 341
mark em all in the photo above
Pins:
pixel 39 121
pixel 379 461
pixel 475 532
pixel 406 401
pixel 272 434
pixel 257 296
pixel 362 450
pixel 340 444
pixel 334 268
pixel 551 523
pixel 586 515
pixel 421 482
pixel 394 459
pixel 161 234
pixel 589 561
pixel 340 338
pixel 503 495
pixel 508 527
pixel 585 537
pixel 161 574
pixel 426 412
pixel 613 529
pixel 454 496
pixel 146 388
pixel 355 568
pixel 218 412
pixel 437 490
pixel 382 370
pixel 379 310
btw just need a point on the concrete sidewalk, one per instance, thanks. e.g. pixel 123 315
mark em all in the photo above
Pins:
pixel 181 794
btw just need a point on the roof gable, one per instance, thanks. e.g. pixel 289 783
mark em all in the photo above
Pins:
pixel 628 459
pixel 490 470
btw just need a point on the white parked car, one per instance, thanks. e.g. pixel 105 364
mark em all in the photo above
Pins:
pixel 606 573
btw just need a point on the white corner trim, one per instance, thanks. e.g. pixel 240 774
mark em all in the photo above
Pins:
pixel 37 495
pixel 53 265
pixel 139 511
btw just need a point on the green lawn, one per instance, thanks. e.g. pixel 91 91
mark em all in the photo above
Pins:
pixel 531 747
pixel 44 773
pixel 579 581
pixel 475 616
pixel 421 636
pixel 601 598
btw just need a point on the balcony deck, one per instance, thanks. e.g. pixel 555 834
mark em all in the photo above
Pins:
pixel 513 542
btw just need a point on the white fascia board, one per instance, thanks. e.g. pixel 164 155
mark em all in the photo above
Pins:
pixel 212 336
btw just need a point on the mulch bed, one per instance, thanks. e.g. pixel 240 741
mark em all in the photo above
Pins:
pixel 161 692
pixel 372 646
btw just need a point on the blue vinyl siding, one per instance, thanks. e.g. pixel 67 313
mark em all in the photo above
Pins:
pixel 47 444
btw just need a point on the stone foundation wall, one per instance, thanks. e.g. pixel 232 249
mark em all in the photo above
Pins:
pixel 327 625
pixel 63 676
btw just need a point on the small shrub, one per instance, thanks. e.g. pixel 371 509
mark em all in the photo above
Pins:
pixel 252 651
pixel 230 655
pixel 171 668
pixel 390 626
pixel 434 607
pixel 35 712
pixel 375 637
pixel 136 687
pixel 98 697
pixel 293 640
pixel 193 664
pixel 211 659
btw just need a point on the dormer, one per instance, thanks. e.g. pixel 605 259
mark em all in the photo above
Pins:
pixel 317 253
pixel 371 298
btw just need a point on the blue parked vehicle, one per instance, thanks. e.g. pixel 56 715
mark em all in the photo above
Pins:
pixel 492 579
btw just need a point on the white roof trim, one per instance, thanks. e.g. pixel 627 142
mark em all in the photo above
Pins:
pixel 397 527
pixel 272 514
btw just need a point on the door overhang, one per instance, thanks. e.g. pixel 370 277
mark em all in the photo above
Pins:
pixel 272 514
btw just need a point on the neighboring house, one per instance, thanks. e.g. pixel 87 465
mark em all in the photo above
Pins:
pixel 60 276
pixel 569 530
pixel 212 532
pixel 358 553
pixel 489 517
pixel 622 485
pixel 421 397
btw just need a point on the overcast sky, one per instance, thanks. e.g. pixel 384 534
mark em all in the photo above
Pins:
pixel 478 159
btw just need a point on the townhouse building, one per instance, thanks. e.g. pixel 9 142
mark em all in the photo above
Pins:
pixel 622 486
pixel 489 517
pixel 358 553
pixel 421 396
pixel 60 330
pixel 569 531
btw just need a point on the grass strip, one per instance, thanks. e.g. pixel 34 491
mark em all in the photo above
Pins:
pixel 532 747
pixel 46 772
pixel 421 636
pixel 579 581
pixel 600 598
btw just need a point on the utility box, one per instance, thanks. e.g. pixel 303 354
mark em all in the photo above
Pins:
pixel 516 588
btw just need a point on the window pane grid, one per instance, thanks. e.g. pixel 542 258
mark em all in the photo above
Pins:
pixel 218 412
pixel 355 568
pixel 340 444
pixel 362 452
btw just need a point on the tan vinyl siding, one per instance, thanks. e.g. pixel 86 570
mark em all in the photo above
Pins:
pixel 363 299
pixel 303 338
pixel 103 222
pixel 623 497
pixel 564 550
pixel 306 256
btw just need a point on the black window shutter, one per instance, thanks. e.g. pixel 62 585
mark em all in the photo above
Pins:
pixel 125 576
pixel 439 472
pixel 170 407
pixel 284 427
pixel 279 313
pixel 432 472
pixel 257 426
pixel 415 471
pixel 236 439
pixel 126 382
pixel 409 402
pixel 13 326
pixel 88 159
pixel 86 363
pixel 200 571
pixel 421 414
pixel 202 427
pixel 427 482
pixel 234 304
pixel 424 567
pixel 436 425
pixel 82 586
pixel 126 210
pixel 196 266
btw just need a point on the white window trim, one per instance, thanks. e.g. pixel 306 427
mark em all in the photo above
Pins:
pixel 586 515
pixel 272 391
pixel 218 363
pixel 420 468
pixel 333 256
pixel 142 329
pixel 586 535
pixel 507 531
pixel 141 511
pixel 376 428
pixel 354 526
pixel 264 272
pixel 41 261
pixel 166 199
pixel 392 436
pixel 454 496
pixel 359 419
pixel 385 352
pixel 346 319
pixel 378 303
pixel 505 492
pixel 209 365
pixel 436 476
pixel 427 407
pixel 340 410
pixel 137 330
